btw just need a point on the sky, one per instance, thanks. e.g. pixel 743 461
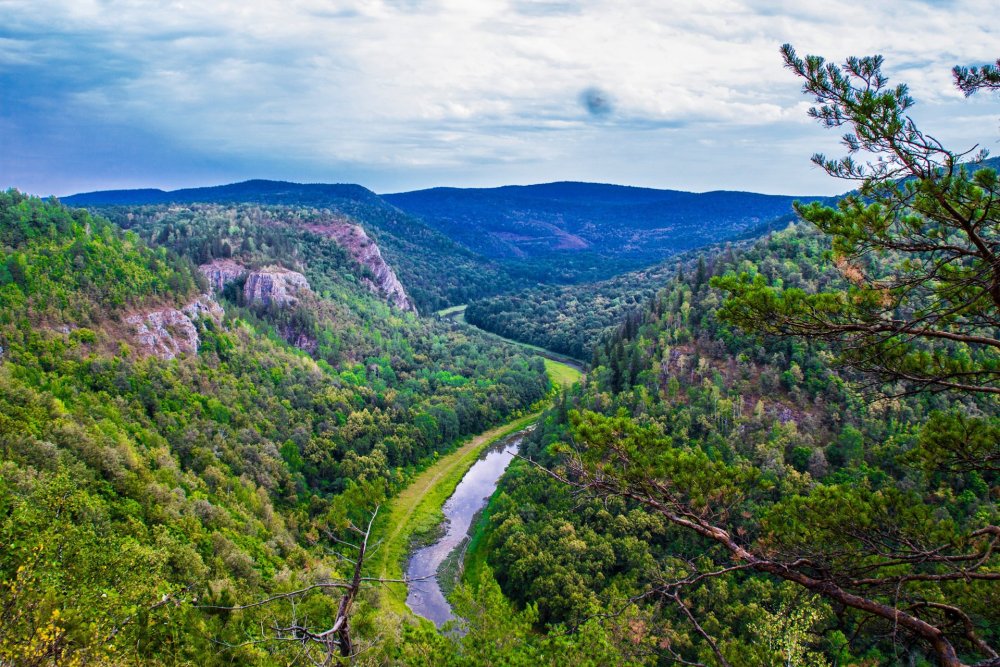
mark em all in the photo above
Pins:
pixel 406 94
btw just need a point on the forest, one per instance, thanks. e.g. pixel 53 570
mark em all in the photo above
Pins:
pixel 137 492
pixel 785 448
pixel 793 461
pixel 436 271
pixel 765 430
pixel 573 319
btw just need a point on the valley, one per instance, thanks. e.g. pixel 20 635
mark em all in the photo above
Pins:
pixel 520 333
pixel 555 363
pixel 416 510
pixel 222 386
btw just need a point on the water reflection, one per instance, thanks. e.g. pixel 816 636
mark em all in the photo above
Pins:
pixel 425 597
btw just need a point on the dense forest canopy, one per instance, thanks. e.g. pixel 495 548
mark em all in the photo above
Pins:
pixel 793 463
pixel 136 489
pixel 573 319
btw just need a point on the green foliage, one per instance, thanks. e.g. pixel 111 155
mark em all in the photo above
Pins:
pixel 761 435
pixel 494 633
pixel 140 495
pixel 435 271
pixel 573 319
pixel 917 244
pixel 970 80
pixel 65 266
pixel 956 442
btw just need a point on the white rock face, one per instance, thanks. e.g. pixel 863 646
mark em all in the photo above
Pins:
pixel 365 252
pixel 221 272
pixel 275 285
pixel 205 306
pixel 169 332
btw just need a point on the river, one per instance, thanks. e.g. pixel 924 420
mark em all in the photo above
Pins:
pixel 425 597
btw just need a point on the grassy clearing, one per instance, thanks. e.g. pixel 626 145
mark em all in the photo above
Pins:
pixel 562 375
pixel 454 313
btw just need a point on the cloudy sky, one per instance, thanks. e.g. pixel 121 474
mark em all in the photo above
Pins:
pixel 404 94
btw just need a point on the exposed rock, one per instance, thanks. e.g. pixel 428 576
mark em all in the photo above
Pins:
pixel 221 272
pixel 365 252
pixel 168 332
pixel 299 339
pixel 205 306
pixel 274 284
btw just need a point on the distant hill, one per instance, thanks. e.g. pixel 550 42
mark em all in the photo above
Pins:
pixel 257 191
pixel 615 220
pixel 436 271
pixel 450 245
pixel 991 163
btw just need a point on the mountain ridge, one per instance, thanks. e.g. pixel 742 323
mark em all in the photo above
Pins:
pixel 632 225
pixel 258 191
pixel 269 191
pixel 559 232
pixel 655 193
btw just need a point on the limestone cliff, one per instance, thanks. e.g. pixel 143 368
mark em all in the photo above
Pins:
pixel 274 284
pixel 221 272
pixel 365 252
pixel 169 332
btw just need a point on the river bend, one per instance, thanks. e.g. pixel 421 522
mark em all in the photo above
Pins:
pixel 425 597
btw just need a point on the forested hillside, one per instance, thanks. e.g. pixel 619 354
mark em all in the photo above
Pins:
pixel 452 246
pixel 141 490
pixel 436 271
pixel 573 319
pixel 794 462
pixel 761 436
pixel 571 222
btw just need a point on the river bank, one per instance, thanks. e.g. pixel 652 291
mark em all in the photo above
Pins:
pixel 416 510
pixel 414 517
pixel 427 595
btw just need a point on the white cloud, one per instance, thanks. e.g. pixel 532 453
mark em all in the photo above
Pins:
pixel 452 86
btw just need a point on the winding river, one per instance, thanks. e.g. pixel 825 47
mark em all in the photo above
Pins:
pixel 425 597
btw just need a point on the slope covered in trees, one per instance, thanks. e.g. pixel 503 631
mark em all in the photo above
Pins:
pixel 138 495
pixel 573 319
pixel 451 246
pixel 794 463
pixel 618 223
pixel 435 271
pixel 764 438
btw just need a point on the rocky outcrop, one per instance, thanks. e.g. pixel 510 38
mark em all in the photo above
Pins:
pixel 365 252
pixel 221 272
pixel 274 284
pixel 204 307
pixel 169 332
